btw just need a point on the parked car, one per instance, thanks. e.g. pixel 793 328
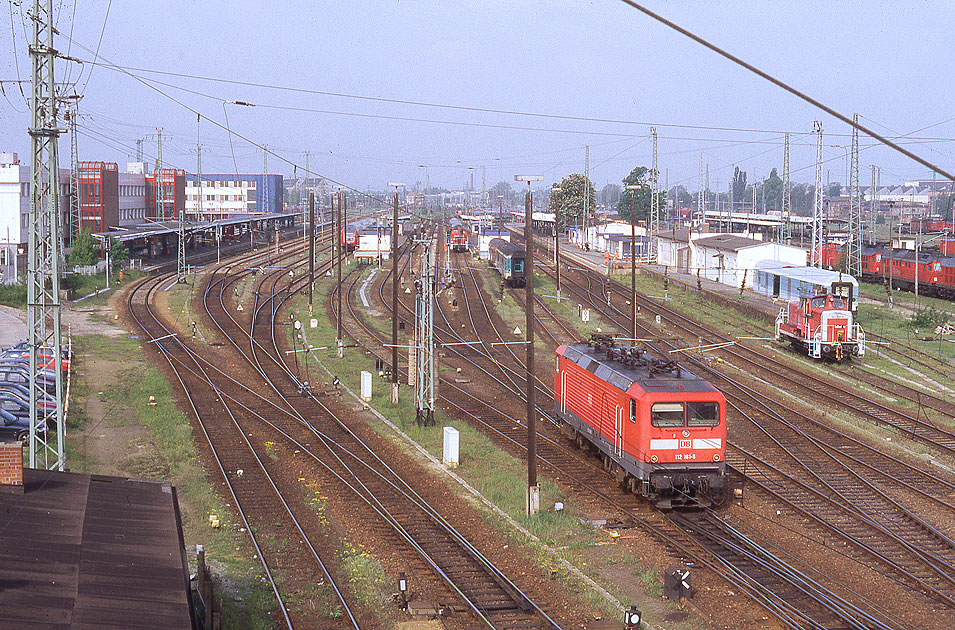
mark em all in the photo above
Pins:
pixel 17 428
pixel 45 402
pixel 24 346
pixel 45 358
pixel 15 373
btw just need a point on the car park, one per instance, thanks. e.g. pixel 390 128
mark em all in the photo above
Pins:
pixel 15 373
pixel 21 391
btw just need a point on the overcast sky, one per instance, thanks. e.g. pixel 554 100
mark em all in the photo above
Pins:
pixel 889 61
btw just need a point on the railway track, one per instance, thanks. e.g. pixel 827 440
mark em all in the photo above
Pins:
pixel 256 493
pixel 909 536
pixel 469 576
pixel 572 466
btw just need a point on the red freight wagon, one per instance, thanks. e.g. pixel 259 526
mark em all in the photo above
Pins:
pixel 660 429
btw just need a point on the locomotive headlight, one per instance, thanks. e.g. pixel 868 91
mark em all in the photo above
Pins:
pixel 654 459
pixel 716 457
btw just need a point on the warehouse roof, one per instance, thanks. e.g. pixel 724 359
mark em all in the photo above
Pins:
pixel 89 551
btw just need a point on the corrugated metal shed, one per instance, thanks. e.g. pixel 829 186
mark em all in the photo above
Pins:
pixel 86 551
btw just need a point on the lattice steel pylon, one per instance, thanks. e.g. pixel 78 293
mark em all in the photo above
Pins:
pixel 43 269
pixel 75 218
pixel 424 353
pixel 655 199
pixel 854 243
pixel 815 255
pixel 700 195
pixel 873 205
pixel 786 233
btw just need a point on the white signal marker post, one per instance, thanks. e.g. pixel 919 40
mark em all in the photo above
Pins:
pixel 533 489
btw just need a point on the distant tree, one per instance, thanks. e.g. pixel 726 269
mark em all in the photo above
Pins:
pixel 642 196
pixel 610 195
pixel 501 188
pixel 85 250
pixel 801 197
pixel 834 190
pixel 680 195
pixel 772 191
pixel 568 204
pixel 739 185
pixel 118 254
pixel 435 190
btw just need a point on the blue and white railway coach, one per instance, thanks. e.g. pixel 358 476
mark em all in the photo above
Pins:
pixel 508 259
pixel 660 429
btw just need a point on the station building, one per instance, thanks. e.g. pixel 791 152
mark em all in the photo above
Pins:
pixel 228 195
pixel 15 212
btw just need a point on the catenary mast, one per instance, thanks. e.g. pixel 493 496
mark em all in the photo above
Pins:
pixel 43 267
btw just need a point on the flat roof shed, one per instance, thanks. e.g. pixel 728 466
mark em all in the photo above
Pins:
pixel 81 551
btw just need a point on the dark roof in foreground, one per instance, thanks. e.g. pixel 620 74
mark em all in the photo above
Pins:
pixel 89 551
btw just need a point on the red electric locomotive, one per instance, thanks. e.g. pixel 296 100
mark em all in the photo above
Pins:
pixel 660 429
pixel 821 325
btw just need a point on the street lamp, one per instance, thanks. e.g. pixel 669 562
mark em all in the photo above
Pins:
pixel 394 298
pixel 633 258
pixel 533 490
pixel 555 190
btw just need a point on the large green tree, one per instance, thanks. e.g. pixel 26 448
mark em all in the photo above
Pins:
pixel 642 195
pixel 739 184
pixel 568 204
pixel 772 191
pixel 118 254
pixel 85 250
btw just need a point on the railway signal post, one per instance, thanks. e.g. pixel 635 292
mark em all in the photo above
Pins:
pixel 533 489
pixel 394 298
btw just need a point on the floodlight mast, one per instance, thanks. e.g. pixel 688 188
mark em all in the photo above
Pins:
pixel 533 489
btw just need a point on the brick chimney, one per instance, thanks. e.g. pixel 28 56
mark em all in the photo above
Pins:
pixel 11 467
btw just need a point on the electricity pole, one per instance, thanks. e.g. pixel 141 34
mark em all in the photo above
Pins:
pixel 311 248
pixel 424 350
pixel 633 258
pixel 338 262
pixel 815 257
pixel 787 199
pixel 43 270
pixel 854 250
pixel 555 190
pixel 654 201
pixel 394 298
pixel 533 489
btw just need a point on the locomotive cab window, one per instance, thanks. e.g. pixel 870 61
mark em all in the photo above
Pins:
pixel 702 414
pixel 518 265
pixel 667 414
pixel 633 410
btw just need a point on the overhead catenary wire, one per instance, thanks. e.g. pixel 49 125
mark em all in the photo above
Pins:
pixel 242 137
pixel 788 88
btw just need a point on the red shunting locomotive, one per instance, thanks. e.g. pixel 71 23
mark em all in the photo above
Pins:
pixel 659 428
pixel 458 236
pixel 822 325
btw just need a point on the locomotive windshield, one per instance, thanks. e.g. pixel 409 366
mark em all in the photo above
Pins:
pixel 691 414
pixel 518 266
pixel 702 414
pixel 667 414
